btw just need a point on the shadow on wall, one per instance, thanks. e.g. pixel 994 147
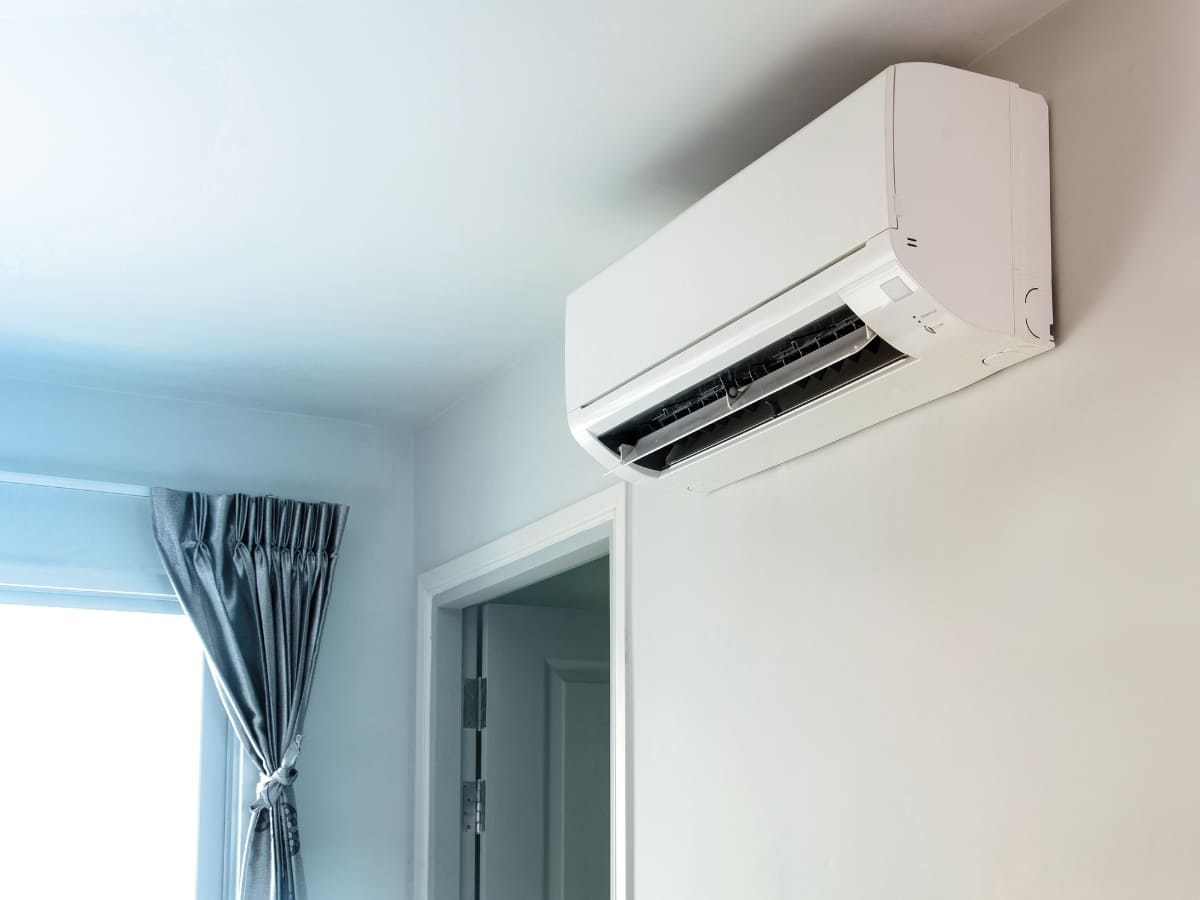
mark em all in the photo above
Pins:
pixel 763 115
pixel 1099 121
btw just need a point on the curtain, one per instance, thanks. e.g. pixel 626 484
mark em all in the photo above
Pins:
pixel 253 575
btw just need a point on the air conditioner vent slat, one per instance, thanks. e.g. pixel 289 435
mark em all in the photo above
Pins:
pixel 775 380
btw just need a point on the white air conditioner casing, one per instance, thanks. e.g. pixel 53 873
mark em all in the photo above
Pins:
pixel 892 251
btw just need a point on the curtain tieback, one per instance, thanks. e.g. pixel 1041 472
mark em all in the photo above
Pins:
pixel 270 787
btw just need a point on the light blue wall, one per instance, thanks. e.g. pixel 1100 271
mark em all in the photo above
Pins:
pixel 355 785
pixel 499 459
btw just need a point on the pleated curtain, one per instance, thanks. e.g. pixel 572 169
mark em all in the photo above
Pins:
pixel 254 576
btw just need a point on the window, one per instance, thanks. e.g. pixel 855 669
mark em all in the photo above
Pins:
pixel 113 755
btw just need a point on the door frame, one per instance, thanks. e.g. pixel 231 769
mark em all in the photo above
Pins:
pixel 562 540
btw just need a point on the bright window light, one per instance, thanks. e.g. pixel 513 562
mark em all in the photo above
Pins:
pixel 100 742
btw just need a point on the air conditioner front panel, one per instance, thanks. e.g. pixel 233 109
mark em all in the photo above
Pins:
pixel 748 241
pixel 915 214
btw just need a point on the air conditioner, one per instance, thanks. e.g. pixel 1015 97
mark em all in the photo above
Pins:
pixel 895 249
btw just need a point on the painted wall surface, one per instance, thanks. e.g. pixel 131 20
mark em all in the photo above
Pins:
pixel 354 791
pixel 957 652
pixel 499 459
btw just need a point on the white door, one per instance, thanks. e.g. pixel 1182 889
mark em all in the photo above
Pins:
pixel 545 755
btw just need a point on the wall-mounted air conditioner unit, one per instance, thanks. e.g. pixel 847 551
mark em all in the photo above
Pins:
pixel 892 251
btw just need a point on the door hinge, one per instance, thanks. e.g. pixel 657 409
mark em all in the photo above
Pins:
pixel 474 803
pixel 475 703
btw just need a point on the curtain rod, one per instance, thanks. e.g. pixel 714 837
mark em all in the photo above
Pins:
pixel 74 484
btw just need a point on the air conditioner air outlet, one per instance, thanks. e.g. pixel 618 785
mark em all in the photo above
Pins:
pixel 811 362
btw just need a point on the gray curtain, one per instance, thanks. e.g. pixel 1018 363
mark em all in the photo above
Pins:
pixel 254 576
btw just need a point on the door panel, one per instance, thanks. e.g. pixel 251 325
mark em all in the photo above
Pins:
pixel 578 834
pixel 547 673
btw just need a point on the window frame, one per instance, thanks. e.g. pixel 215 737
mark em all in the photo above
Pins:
pixel 224 768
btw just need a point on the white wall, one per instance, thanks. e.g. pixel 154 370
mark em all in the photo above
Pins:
pixel 354 790
pixel 953 656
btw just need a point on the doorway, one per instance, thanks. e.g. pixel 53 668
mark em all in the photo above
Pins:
pixel 535 799
pixel 522 777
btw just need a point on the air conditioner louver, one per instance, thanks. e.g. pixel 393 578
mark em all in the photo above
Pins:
pixel 807 364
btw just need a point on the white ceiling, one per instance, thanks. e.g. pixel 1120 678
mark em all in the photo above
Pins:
pixel 358 209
